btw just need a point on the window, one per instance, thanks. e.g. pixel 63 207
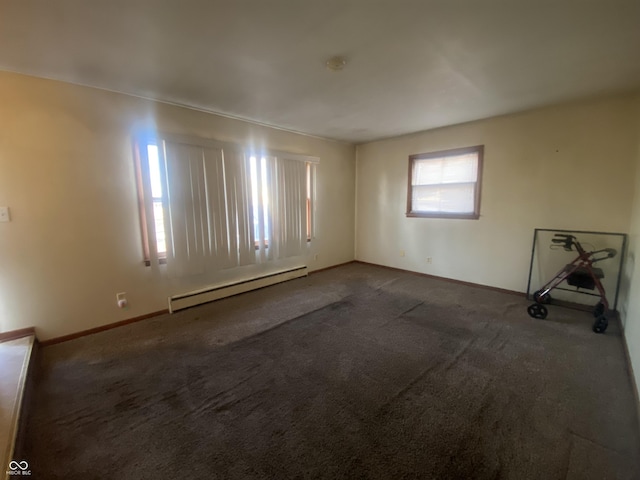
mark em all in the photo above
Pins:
pixel 260 199
pixel 445 184
pixel 156 194
pixel 207 206
pixel 148 171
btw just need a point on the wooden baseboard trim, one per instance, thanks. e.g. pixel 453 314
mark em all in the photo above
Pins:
pixel 91 331
pixel 13 334
pixel 332 267
pixel 450 280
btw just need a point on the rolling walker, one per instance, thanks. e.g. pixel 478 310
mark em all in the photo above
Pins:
pixel 580 274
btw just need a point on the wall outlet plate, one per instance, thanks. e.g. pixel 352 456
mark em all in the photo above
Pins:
pixel 121 299
pixel 4 214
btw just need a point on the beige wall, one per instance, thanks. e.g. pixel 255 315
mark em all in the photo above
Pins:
pixel 565 167
pixel 66 172
pixel 630 295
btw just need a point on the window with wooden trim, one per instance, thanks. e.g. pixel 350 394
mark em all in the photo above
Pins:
pixel 445 184
pixel 207 206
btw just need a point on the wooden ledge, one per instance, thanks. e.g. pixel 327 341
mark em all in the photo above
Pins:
pixel 14 334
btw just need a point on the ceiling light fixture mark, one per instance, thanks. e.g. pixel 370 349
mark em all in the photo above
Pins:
pixel 337 63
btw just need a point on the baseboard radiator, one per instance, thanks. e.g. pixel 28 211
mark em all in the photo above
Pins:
pixel 210 294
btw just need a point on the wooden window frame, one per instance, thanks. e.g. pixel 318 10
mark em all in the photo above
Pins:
pixel 475 215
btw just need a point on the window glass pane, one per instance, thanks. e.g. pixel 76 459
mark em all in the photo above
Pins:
pixel 459 169
pixel 254 197
pixel 158 217
pixel 427 172
pixel 256 200
pixel 444 198
pixel 265 197
pixel 452 169
pixel 154 171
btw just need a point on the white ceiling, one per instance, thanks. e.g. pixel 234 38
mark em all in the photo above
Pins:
pixel 412 65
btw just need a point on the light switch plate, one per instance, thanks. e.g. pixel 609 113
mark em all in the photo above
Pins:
pixel 4 214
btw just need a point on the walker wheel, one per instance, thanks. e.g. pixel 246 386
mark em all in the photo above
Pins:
pixel 546 299
pixel 601 324
pixel 598 310
pixel 537 310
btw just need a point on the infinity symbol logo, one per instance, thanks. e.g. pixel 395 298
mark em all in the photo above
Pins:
pixel 13 465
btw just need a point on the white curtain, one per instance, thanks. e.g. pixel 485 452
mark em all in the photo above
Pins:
pixel 224 209
pixel 207 217
pixel 185 217
pixel 290 207
pixel 239 215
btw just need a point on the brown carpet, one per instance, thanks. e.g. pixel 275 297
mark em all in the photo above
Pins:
pixel 356 372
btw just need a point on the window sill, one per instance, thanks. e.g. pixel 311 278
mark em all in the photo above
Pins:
pixel 462 216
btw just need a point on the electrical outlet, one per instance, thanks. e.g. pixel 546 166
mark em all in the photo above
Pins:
pixel 4 214
pixel 402 253
pixel 315 257
pixel 429 260
pixel 121 299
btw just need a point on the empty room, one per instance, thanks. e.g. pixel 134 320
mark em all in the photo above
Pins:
pixel 319 239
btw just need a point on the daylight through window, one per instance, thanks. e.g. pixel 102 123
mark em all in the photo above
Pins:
pixel 445 184
pixel 207 207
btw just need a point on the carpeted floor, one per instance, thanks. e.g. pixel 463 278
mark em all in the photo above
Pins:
pixel 355 372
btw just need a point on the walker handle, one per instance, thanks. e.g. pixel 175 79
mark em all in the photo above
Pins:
pixel 566 240
pixel 611 252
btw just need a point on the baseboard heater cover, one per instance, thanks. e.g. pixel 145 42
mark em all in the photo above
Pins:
pixel 210 294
